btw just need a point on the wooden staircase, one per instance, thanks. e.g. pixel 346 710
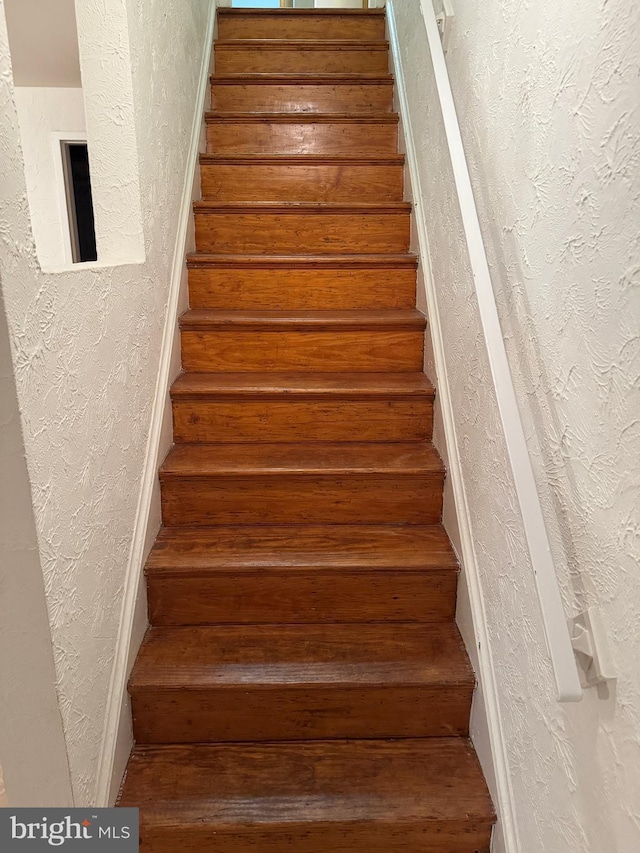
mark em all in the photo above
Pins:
pixel 303 686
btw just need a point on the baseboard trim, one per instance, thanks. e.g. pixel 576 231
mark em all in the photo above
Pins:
pixel 506 835
pixel 117 738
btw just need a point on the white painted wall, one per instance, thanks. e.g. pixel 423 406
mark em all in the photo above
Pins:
pixel 86 350
pixel 41 113
pixel 547 100
pixel 107 41
pixel 44 43
pixel 34 768
pixel 4 801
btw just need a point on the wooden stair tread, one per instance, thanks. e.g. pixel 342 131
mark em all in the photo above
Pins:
pixel 302 207
pixel 207 319
pixel 203 259
pixel 301 160
pixel 238 12
pixel 325 547
pixel 302 385
pixel 257 78
pixel 247 460
pixel 297 655
pixel 212 116
pixel 434 779
pixel 304 44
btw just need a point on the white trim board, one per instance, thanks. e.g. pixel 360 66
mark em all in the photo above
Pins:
pixel 117 737
pixel 488 737
pixel 58 137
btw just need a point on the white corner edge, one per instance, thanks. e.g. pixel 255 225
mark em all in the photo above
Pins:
pixel 132 614
pixel 503 792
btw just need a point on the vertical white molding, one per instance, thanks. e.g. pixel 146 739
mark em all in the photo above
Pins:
pixel 57 138
pixel 117 737
pixel 496 763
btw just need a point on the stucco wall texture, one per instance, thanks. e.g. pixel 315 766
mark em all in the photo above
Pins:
pixel 85 347
pixel 547 99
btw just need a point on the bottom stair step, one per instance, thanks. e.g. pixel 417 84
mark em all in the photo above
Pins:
pixel 411 796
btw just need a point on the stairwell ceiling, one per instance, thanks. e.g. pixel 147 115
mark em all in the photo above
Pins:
pixel 44 42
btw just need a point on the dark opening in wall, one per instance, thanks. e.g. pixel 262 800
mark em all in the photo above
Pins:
pixel 75 159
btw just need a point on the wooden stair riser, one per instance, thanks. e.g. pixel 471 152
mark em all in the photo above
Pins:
pixel 326 232
pixel 325 289
pixel 279 712
pixel 254 351
pixel 340 182
pixel 301 595
pixel 298 136
pixel 358 97
pixel 291 420
pixel 302 499
pixel 329 26
pixel 301 289
pixel 253 57
pixel 466 835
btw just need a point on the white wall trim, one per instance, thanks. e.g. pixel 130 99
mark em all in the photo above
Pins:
pixel 58 137
pixel 503 794
pixel 132 614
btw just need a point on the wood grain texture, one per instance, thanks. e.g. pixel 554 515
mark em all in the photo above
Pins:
pixel 267 656
pixel 283 712
pixel 327 282
pixel 302 134
pixel 235 230
pixel 280 56
pixel 301 179
pixel 304 351
pixel 227 596
pixel 357 96
pixel 328 547
pixel 336 573
pixel 300 407
pixel 228 683
pixel 302 499
pixel 301 483
pixel 269 420
pixel 311 797
pixel 335 25
pixel 204 460
pixel 302 321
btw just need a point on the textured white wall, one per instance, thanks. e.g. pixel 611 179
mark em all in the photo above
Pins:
pixel 547 96
pixel 32 745
pixel 40 113
pixel 86 351
pixel 107 39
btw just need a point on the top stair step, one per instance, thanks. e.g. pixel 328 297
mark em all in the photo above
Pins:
pixel 357 24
